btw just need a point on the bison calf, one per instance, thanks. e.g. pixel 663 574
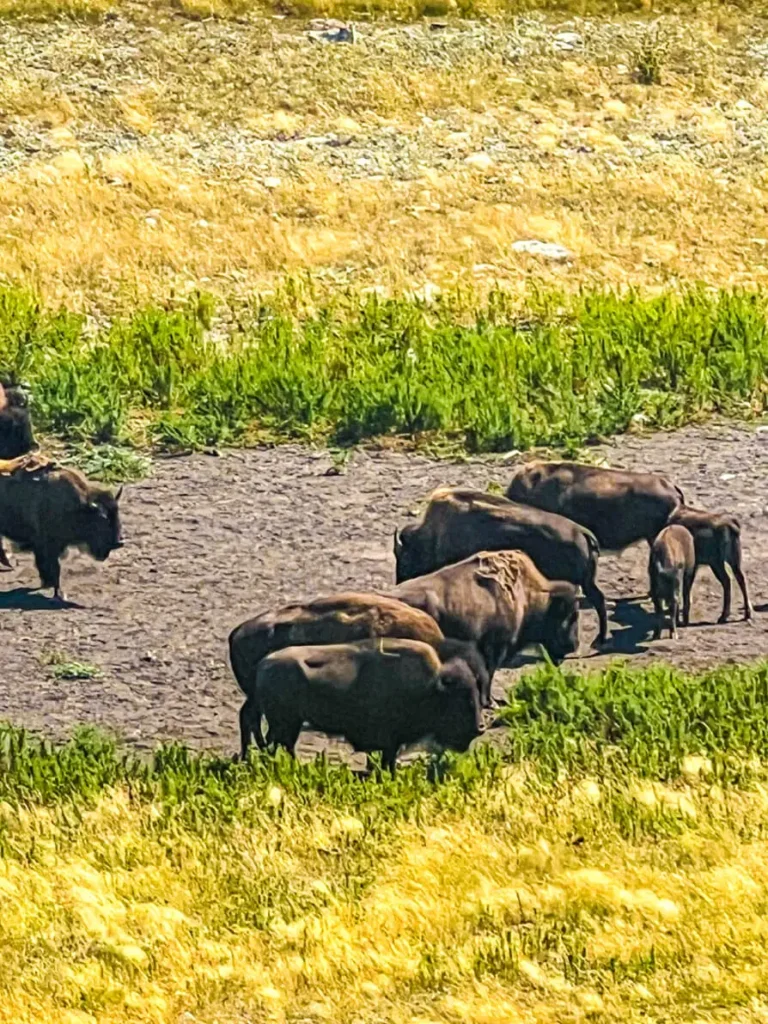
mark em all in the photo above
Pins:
pixel 379 694
pixel 16 436
pixel 717 540
pixel 45 510
pixel 671 569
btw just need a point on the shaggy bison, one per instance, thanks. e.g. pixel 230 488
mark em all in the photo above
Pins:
pixel 620 507
pixel 671 568
pixel 501 601
pixel 459 522
pixel 46 509
pixel 379 694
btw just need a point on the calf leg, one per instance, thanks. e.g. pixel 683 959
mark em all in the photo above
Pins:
pixel 389 758
pixel 735 563
pixel 49 569
pixel 725 582
pixel 658 608
pixel 674 610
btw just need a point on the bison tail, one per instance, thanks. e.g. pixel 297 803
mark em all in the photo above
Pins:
pixel 680 494
pixel 592 543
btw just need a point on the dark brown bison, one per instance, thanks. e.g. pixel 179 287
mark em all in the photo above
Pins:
pixel 459 522
pixel 379 694
pixel 671 569
pixel 336 619
pixel 619 507
pixel 717 540
pixel 16 437
pixel 46 509
pixel 501 601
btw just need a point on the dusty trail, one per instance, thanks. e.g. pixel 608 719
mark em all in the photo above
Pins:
pixel 212 540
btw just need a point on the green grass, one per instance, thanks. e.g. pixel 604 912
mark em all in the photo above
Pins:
pixel 570 369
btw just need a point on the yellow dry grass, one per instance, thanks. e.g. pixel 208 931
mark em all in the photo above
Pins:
pixel 589 167
pixel 500 915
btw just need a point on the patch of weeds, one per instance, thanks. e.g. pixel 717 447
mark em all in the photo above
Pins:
pixel 652 56
pixel 108 463
pixel 62 667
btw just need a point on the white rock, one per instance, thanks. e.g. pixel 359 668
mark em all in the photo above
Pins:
pixel 272 182
pixel 479 161
pixel 549 250
pixel 566 41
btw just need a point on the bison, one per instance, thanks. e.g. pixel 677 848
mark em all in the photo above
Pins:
pixel 501 601
pixel 717 541
pixel 16 437
pixel 340 618
pixel 620 507
pixel 671 569
pixel 459 523
pixel 379 694
pixel 46 509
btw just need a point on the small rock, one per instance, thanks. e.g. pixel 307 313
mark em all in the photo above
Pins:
pixel 272 182
pixel 727 476
pixel 566 41
pixel 479 161
pixel 548 250
pixel 329 30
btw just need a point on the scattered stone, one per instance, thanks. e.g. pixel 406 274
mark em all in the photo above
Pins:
pixel 547 250
pixel 479 161
pixel 329 30
pixel 272 182
pixel 566 41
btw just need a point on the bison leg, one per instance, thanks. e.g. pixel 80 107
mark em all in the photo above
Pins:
pixel 687 584
pixel 284 734
pixel 389 758
pixel 658 609
pixel 595 595
pixel 49 569
pixel 735 563
pixel 250 726
pixel 674 611
pixel 725 582
pixel 5 562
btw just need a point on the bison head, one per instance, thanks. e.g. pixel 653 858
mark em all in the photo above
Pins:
pixel 459 719
pixel 16 436
pixel 560 629
pixel 408 555
pixel 102 533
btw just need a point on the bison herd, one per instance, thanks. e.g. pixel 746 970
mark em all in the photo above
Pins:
pixel 478 578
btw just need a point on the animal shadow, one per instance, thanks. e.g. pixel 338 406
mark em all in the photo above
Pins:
pixel 638 625
pixel 27 599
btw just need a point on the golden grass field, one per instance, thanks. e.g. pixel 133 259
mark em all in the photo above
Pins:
pixel 526 903
pixel 156 154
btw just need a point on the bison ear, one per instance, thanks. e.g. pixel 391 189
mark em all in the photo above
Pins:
pixel 562 589
pixel 398 545
pixel 119 492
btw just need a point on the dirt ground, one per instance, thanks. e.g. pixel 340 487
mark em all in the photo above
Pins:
pixel 211 541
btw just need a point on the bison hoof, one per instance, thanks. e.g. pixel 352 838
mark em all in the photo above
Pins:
pixel 722 620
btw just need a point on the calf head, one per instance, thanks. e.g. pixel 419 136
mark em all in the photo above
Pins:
pixel 560 627
pixel 101 532
pixel 408 555
pixel 16 437
pixel 468 653
pixel 458 718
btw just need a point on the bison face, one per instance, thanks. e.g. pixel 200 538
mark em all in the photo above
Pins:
pixel 16 436
pixel 102 534
pixel 459 719
pixel 561 625
pixel 408 556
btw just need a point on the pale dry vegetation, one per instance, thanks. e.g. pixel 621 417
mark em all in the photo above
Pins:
pixel 144 157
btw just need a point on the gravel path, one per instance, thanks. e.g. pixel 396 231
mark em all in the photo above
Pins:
pixel 212 540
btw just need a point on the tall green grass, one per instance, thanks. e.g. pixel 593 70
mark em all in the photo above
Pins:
pixel 571 369
pixel 633 722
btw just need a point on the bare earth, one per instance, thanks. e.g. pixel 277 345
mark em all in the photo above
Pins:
pixel 211 541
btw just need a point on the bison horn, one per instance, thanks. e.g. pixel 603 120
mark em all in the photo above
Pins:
pixel 398 544
pixel 119 492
